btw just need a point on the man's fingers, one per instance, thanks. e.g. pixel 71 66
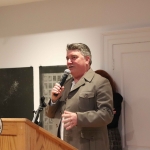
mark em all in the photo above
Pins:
pixel 69 119
pixel 68 125
pixel 66 120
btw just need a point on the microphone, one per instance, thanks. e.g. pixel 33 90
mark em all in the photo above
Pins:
pixel 64 77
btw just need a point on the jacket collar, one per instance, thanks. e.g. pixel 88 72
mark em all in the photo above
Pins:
pixel 87 77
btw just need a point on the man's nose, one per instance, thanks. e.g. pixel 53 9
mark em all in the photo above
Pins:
pixel 69 61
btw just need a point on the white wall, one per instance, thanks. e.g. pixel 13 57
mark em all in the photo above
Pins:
pixel 47 49
pixel 36 34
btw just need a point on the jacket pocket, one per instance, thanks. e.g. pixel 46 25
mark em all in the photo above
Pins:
pixel 86 101
pixel 95 138
pixel 91 135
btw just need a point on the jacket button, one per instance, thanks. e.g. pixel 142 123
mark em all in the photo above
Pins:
pixel 57 125
pixel 85 95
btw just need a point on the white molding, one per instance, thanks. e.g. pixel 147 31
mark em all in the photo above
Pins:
pixel 121 37
pixel 109 39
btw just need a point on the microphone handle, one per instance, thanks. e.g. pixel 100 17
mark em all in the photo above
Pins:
pixel 63 79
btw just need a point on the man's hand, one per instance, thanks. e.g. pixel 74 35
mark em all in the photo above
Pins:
pixel 69 119
pixel 56 92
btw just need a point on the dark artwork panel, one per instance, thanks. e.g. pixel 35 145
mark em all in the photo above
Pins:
pixel 16 93
pixel 52 69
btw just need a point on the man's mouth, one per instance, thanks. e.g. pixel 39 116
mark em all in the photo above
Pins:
pixel 70 67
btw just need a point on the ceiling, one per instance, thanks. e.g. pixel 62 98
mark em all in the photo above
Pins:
pixel 16 2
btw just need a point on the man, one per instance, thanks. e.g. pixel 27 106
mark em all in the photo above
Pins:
pixel 84 105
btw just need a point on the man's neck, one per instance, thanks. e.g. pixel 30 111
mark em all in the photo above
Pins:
pixel 76 79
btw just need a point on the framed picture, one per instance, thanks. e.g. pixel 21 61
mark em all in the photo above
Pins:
pixel 49 75
pixel 16 93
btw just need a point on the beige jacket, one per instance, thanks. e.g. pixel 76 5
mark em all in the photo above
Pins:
pixel 91 98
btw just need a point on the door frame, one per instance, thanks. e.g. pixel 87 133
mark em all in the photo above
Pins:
pixel 109 39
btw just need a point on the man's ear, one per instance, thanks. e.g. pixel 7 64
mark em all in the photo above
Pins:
pixel 87 58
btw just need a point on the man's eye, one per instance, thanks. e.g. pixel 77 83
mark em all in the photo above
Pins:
pixel 74 57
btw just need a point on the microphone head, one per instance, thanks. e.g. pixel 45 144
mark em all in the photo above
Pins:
pixel 67 71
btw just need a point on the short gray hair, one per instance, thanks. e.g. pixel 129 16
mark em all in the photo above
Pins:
pixel 84 49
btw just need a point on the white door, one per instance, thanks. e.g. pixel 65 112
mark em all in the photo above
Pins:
pixel 129 64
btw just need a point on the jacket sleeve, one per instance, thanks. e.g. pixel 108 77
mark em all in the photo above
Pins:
pixel 50 110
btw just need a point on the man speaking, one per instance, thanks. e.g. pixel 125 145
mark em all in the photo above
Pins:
pixel 83 106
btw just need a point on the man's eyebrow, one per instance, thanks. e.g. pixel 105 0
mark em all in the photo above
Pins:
pixel 71 56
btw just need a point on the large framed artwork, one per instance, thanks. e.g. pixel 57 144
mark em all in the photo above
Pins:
pixel 49 75
pixel 16 93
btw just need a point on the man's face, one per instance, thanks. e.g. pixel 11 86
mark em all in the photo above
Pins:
pixel 77 63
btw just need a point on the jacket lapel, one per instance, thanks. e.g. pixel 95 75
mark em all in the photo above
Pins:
pixel 88 76
pixel 67 90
